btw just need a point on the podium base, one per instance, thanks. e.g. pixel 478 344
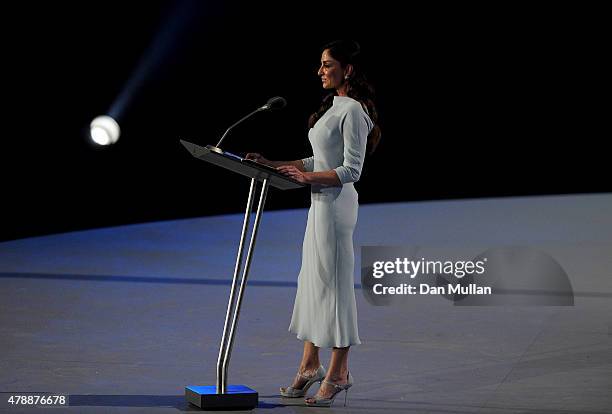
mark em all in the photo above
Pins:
pixel 236 397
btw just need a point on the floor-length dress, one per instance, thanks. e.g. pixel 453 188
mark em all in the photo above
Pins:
pixel 324 311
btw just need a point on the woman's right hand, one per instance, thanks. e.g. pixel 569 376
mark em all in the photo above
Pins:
pixel 257 158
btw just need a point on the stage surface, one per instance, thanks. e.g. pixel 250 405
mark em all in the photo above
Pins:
pixel 121 319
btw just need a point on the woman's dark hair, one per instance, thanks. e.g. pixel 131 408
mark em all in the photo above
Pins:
pixel 358 88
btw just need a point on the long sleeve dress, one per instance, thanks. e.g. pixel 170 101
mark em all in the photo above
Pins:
pixel 324 311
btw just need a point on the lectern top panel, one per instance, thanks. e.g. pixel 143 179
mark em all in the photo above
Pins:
pixel 237 164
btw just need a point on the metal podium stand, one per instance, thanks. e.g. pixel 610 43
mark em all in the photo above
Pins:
pixel 223 396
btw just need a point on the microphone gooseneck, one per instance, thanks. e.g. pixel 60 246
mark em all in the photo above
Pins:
pixel 275 103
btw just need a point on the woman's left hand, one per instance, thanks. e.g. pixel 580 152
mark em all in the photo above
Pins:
pixel 295 173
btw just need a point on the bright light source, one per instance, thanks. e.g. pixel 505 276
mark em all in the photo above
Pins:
pixel 104 130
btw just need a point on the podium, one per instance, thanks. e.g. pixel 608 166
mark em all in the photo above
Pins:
pixel 224 396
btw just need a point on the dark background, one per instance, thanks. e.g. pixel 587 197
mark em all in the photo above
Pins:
pixel 473 102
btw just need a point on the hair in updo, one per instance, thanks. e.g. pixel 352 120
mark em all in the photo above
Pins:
pixel 349 52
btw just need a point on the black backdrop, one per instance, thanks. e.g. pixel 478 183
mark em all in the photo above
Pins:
pixel 474 102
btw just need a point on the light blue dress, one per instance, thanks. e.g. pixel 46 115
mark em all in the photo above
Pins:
pixel 324 311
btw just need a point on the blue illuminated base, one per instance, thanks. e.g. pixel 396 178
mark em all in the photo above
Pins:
pixel 236 397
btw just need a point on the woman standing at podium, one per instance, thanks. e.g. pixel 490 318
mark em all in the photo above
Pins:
pixel 342 130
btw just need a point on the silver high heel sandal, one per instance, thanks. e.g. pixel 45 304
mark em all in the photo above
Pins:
pixel 291 392
pixel 327 402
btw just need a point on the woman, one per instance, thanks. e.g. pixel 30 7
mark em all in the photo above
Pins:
pixel 341 131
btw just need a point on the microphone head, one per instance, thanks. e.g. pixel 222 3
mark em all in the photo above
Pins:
pixel 277 102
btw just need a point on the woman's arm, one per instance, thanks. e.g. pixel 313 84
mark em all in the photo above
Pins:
pixel 327 178
pixel 355 128
pixel 296 163
pixel 261 159
pixel 298 170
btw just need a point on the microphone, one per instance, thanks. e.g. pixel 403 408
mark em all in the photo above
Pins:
pixel 275 103
pixel 278 102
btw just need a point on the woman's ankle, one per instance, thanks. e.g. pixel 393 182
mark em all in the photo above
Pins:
pixel 341 376
pixel 310 366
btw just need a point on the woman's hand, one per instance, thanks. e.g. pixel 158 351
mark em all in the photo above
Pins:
pixel 293 172
pixel 258 158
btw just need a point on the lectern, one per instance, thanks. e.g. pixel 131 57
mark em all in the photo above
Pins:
pixel 224 396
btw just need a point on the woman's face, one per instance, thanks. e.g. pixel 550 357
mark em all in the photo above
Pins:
pixel 330 72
